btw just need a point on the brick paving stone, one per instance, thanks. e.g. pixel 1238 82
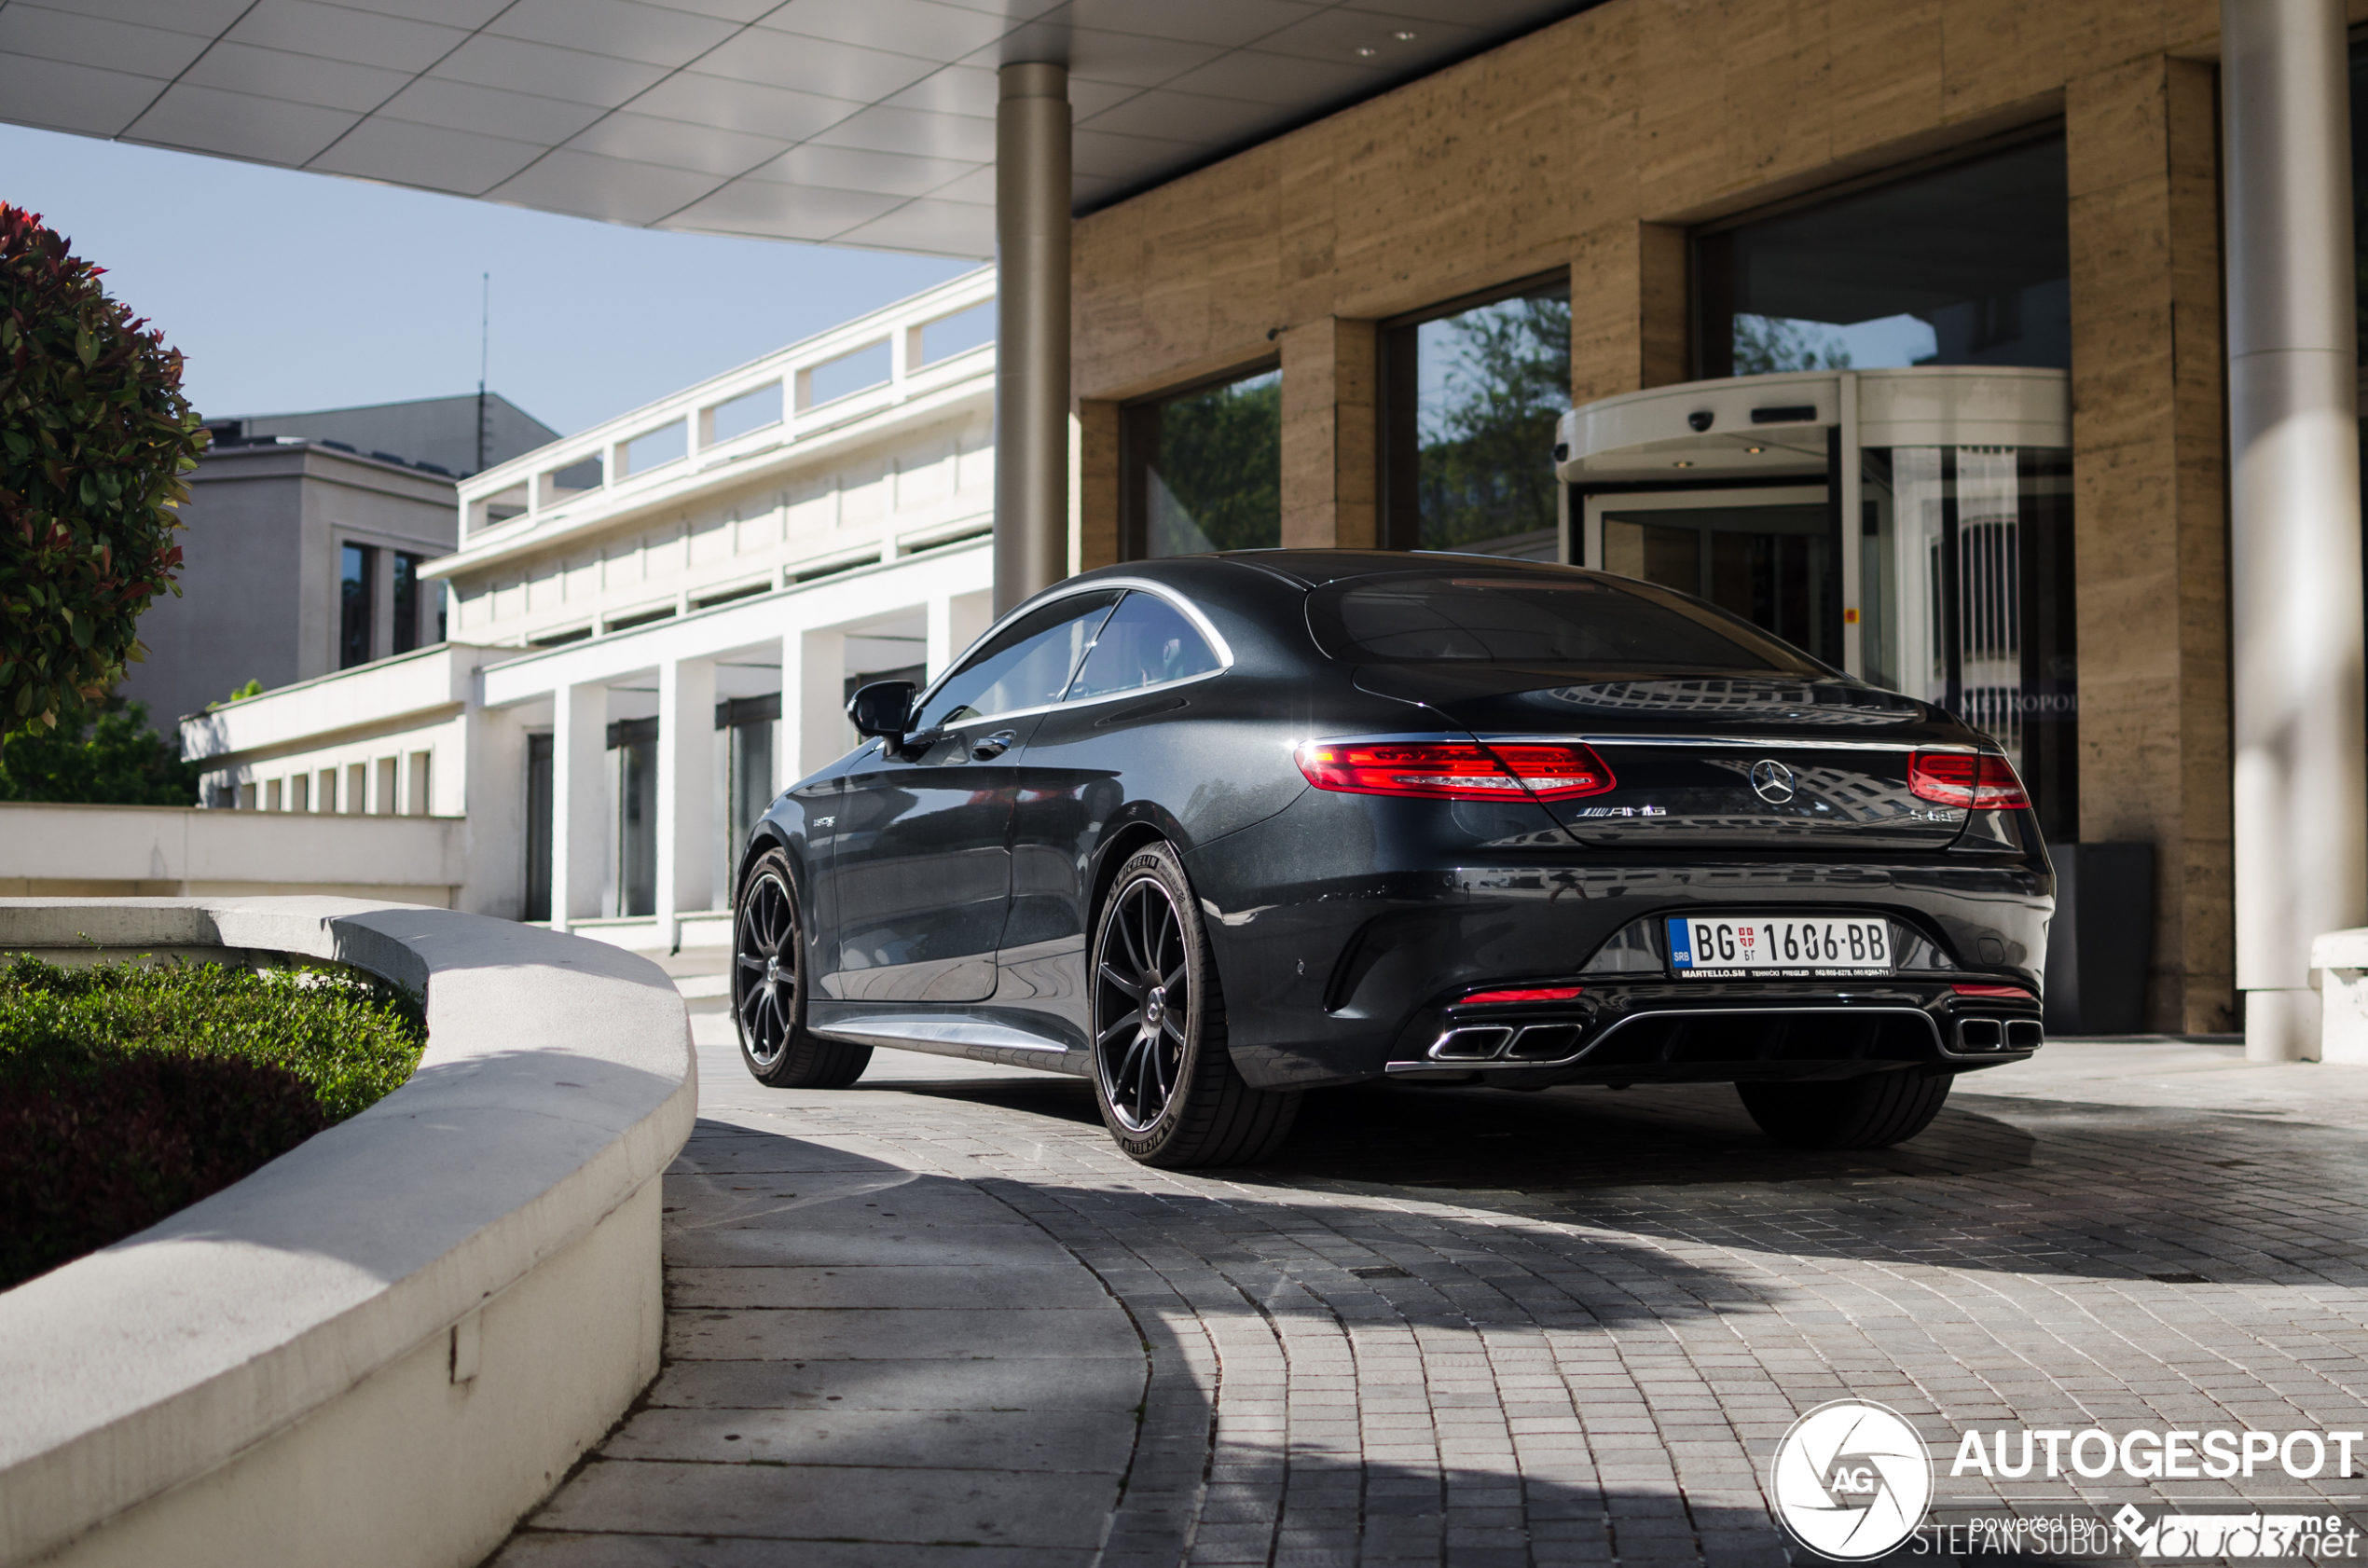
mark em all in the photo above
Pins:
pixel 1615 1304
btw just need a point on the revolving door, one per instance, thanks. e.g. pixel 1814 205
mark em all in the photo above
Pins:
pixel 1912 527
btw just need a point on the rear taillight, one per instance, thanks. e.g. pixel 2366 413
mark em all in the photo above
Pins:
pixel 1530 993
pixel 1960 779
pixel 1454 770
pixel 1995 993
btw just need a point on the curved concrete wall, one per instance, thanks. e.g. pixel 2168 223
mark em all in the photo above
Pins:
pixel 389 1344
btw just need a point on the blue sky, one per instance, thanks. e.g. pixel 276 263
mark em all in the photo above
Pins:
pixel 290 291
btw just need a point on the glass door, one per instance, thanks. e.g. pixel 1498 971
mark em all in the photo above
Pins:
pixel 1767 554
pixel 1965 577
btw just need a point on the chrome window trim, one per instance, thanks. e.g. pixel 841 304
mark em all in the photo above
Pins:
pixel 1183 607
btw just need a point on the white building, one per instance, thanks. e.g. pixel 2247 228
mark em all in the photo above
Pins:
pixel 654 626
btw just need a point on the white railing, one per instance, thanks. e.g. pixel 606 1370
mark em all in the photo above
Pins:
pixel 916 346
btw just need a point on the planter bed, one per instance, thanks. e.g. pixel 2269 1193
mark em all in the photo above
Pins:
pixel 128 1091
pixel 389 1342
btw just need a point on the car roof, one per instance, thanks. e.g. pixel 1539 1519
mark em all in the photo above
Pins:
pixel 1311 568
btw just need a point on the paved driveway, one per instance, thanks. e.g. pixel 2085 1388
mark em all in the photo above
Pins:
pixel 938 1319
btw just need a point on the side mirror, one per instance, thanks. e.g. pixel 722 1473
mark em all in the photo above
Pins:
pixel 882 708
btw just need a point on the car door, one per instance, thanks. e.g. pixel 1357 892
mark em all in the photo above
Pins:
pixel 921 868
pixel 1121 718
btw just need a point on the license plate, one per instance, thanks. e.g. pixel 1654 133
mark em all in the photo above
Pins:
pixel 1747 946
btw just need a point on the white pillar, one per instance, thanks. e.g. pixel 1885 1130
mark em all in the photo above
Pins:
pixel 954 621
pixel 686 766
pixel 1032 330
pixel 787 746
pixel 579 802
pixel 2301 742
pixel 492 807
pixel 818 722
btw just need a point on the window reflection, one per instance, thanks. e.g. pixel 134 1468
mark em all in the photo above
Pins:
pixel 1147 642
pixel 1966 573
pixel 1965 265
pixel 357 588
pixel 1471 396
pixel 1204 470
pixel 1771 565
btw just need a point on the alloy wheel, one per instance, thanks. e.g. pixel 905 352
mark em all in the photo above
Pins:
pixel 765 953
pixel 1142 1004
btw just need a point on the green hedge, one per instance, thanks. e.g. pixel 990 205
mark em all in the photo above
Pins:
pixel 128 1091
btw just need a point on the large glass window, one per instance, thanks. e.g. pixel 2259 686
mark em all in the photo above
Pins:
pixel 357 586
pixel 1469 398
pixel 538 826
pixel 1204 469
pixel 1967 264
pixel 406 601
pixel 633 748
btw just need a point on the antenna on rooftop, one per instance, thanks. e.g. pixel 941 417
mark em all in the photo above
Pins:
pixel 485 351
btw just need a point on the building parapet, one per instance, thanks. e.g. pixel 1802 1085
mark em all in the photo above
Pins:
pixel 94 851
pixel 787 403
pixel 373 696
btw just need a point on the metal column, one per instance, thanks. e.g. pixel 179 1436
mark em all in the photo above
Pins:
pixel 1032 331
pixel 2301 756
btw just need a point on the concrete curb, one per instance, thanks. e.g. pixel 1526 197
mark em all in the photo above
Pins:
pixel 389 1344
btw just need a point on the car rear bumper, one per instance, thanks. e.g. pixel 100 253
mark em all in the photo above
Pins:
pixel 1346 926
pixel 1662 1033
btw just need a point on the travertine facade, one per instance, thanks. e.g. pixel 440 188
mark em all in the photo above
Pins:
pixel 1594 144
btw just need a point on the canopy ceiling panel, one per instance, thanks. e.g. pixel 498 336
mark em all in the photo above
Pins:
pixel 857 122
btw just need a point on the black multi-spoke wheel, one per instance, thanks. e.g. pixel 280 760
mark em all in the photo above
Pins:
pixel 1167 1086
pixel 768 1002
pixel 1143 998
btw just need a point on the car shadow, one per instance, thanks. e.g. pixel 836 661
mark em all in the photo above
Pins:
pixel 1233 1273
pixel 2166 1195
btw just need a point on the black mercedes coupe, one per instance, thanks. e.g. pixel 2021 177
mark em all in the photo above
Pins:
pixel 1214 830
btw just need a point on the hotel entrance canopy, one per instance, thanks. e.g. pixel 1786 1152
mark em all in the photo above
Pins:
pixel 854 122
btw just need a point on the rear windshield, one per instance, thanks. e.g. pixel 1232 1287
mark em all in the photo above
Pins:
pixel 1591 622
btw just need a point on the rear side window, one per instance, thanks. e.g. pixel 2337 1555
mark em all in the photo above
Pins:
pixel 1591 622
pixel 1147 642
pixel 1028 665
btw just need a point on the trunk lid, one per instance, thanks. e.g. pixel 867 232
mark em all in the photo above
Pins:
pixel 1727 762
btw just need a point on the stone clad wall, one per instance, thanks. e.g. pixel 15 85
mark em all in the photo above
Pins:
pixel 1593 144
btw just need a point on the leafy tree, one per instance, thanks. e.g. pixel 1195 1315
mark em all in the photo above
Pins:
pixel 99 754
pixel 1765 345
pixel 1487 460
pixel 94 437
pixel 1221 458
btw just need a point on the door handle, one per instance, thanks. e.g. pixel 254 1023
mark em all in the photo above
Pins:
pixel 987 748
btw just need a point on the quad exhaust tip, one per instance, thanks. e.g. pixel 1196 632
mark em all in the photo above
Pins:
pixel 1504 1042
pixel 1976 1035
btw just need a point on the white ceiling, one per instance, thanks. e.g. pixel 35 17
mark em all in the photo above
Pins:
pixel 857 122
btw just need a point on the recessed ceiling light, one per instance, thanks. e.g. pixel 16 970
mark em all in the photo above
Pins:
pixel 1403 37
pixel 1755 448
pixel 1366 54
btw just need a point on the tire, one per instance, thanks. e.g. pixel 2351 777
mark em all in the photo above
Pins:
pixel 1163 1073
pixel 768 994
pixel 1873 1111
